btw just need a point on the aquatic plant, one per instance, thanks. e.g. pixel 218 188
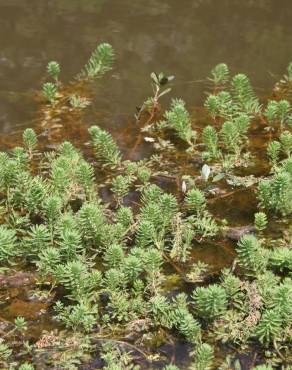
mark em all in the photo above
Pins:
pixel 158 82
pixel 210 302
pixel 260 221
pixel 180 121
pixel 105 147
pixel 50 92
pixel 53 69
pixel 251 255
pixel 275 193
pixel 269 327
pixel 195 201
pixel 210 139
pixel 29 140
pixel 219 75
pixel 100 62
pixel 119 271
pixel 78 102
pixel 273 152
pixel 204 356
pixel 26 366
pixel 8 246
pixel 244 95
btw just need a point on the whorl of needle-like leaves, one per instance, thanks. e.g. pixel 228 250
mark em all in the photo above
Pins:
pixel 179 120
pixel 210 140
pixel 210 302
pixel 195 201
pixel 29 139
pixel 8 246
pixel 204 356
pixel 105 147
pixel 286 142
pixel 243 94
pixel 273 151
pixel 276 193
pixel 37 239
pixel 91 221
pixel 219 74
pixel 251 255
pixel 269 327
pixel 100 62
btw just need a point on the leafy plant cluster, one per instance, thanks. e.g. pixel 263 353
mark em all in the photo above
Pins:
pixel 111 265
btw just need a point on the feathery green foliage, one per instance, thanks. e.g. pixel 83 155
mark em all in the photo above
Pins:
pixel 179 120
pixel 50 92
pixel 210 302
pixel 8 246
pixel 105 147
pixel 29 139
pixel 244 95
pixel 122 272
pixel 204 356
pixel 260 221
pixel 100 62
pixel 220 74
pixel 53 69
pixel 276 193
pixel 251 255
pixel 273 152
pixel 269 327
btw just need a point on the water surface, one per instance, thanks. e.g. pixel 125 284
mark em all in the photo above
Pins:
pixel 185 38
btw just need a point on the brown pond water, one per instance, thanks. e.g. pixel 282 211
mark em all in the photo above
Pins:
pixel 185 38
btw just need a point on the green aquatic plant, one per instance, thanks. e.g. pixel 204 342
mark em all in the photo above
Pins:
pixel 81 316
pixel 29 140
pixel 38 237
pixel 50 92
pixel 284 110
pixel 77 279
pixel 243 94
pixel 20 324
pixel 273 152
pixel 210 302
pixel 100 62
pixel 26 366
pixel 286 142
pixel 158 82
pixel 251 255
pixel 219 75
pixel 210 140
pixel 271 112
pixel 121 187
pixel 124 216
pixel 263 367
pixel 269 327
pixel 179 120
pixel 105 147
pixel 78 102
pixel 195 201
pixel 8 244
pixel 204 357
pixel 260 221
pixel 53 69
pixel 183 235
pixel 118 271
pixel 212 105
pixel 5 351
pixel 230 137
pixel 275 193
pixel 281 259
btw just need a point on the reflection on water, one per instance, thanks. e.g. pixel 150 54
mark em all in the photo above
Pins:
pixel 185 38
